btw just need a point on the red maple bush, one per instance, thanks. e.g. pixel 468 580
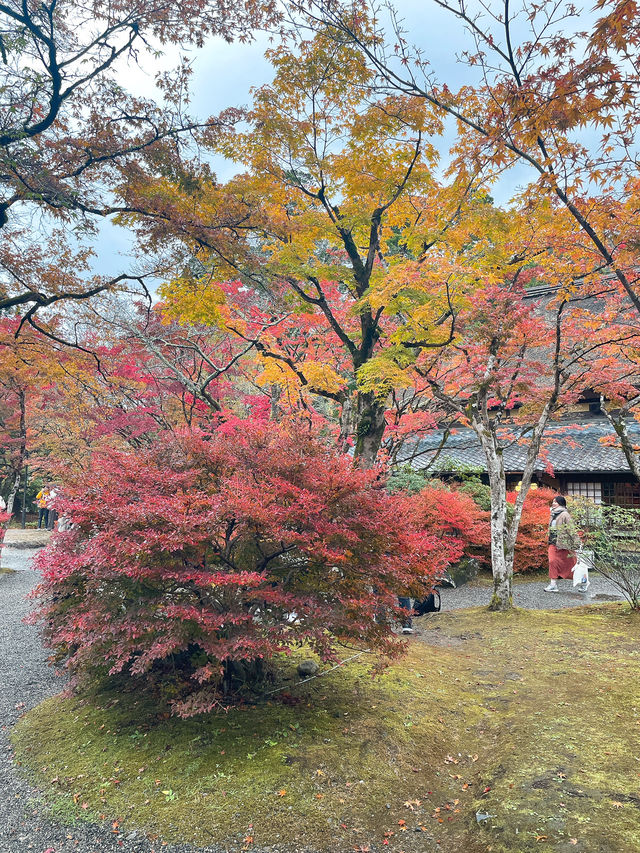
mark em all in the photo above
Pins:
pixel 210 551
pixel 532 543
pixel 455 518
pixel 457 515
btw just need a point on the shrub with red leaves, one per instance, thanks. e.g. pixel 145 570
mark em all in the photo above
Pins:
pixel 212 550
pixel 457 515
pixel 532 545
pixel 455 518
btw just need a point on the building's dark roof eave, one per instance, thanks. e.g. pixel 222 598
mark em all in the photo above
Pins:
pixel 571 446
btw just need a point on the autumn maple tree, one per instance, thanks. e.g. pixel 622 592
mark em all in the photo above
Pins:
pixel 209 550
pixel 342 208
pixel 550 90
pixel 29 366
pixel 554 93
pixel 517 356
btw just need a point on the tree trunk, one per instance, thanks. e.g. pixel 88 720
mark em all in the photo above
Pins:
pixel 617 421
pixel 504 531
pixel 14 491
pixel 347 427
pixel 19 464
pixel 370 425
pixel 10 501
pixel 501 548
pixel 275 393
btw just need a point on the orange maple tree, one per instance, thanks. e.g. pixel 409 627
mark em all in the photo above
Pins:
pixel 549 96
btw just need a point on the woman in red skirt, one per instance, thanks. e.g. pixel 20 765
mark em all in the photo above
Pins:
pixel 563 543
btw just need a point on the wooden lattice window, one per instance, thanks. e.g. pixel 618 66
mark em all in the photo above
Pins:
pixel 622 494
pixel 591 490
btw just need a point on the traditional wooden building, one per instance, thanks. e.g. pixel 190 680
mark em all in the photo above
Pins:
pixel 577 458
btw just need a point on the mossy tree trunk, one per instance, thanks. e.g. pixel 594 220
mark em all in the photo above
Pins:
pixel 370 425
pixel 504 524
pixel 502 549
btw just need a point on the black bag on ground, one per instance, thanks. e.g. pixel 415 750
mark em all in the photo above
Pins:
pixel 430 604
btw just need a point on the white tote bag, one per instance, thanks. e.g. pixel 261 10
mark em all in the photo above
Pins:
pixel 581 571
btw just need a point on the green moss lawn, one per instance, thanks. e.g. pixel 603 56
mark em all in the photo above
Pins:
pixel 532 718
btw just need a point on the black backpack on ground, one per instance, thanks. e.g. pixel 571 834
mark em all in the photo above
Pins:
pixel 430 604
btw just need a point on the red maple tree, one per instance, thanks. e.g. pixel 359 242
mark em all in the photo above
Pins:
pixel 209 549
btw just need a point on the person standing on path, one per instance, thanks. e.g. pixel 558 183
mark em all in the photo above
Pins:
pixel 563 543
pixel 42 499
pixel 53 515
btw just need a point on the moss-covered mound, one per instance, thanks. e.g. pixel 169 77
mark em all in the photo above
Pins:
pixel 496 733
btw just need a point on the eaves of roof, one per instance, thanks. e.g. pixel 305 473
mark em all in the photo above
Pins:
pixel 569 447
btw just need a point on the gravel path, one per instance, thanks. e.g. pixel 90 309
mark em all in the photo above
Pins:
pixel 27 680
pixel 530 594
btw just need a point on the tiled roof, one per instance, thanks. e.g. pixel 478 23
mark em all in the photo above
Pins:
pixel 569 446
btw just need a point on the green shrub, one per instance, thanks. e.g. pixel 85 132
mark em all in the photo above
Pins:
pixel 611 536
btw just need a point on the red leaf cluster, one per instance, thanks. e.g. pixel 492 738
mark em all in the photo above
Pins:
pixel 454 517
pixel 532 544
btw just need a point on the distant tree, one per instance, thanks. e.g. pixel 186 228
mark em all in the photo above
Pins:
pixel 29 365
